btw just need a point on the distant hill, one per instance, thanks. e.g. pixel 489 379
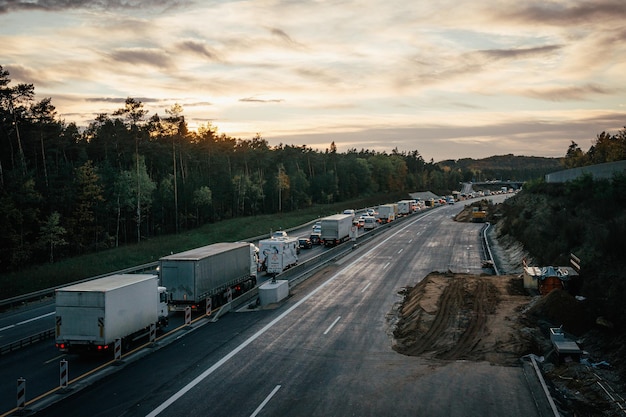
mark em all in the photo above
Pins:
pixel 504 167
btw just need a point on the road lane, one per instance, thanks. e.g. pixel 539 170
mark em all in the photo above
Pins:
pixel 350 370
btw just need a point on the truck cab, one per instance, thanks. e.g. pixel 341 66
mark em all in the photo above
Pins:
pixel 163 306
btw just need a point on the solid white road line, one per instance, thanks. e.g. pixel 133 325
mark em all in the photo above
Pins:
pixel 268 326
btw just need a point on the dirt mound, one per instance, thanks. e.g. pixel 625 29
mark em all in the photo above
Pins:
pixel 465 215
pixel 560 308
pixel 490 318
pixel 459 316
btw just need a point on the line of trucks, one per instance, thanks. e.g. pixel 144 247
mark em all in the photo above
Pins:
pixel 92 315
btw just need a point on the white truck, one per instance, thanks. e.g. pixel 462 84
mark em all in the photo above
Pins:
pixel 218 272
pixel 276 255
pixel 405 207
pixel 91 315
pixel 386 213
pixel 336 229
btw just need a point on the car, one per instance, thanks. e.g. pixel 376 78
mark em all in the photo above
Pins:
pixel 317 229
pixel 369 222
pixel 279 234
pixel 316 238
pixel 317 224
pixel 304 243
pixel 361 222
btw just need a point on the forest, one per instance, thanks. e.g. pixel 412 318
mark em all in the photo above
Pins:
pixel 67 190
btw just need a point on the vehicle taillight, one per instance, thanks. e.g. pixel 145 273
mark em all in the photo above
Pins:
pixel 60 345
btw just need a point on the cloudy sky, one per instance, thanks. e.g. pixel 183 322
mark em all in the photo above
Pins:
pixel 450 79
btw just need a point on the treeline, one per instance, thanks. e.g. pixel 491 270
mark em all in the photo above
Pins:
pixel 130 175
pixel 605 148
pixel 504 167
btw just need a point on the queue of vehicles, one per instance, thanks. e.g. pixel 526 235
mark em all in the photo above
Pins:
pixel 92 315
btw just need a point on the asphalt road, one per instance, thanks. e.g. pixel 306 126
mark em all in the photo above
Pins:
pixel 325 351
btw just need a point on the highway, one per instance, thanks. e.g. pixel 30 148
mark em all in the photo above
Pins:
pixel 324 351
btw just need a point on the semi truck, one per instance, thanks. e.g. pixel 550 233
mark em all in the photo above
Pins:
pixel 218 272
pixel 386 213
pixel 91 316
pixel 276 255
pixel 405 207
pixel 336 229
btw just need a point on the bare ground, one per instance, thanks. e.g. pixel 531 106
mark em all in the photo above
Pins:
pixel 459 316
pixel 492 318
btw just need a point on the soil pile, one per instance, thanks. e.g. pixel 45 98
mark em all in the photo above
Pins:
pixel 560 308
pixel 491 318
pixel 460 316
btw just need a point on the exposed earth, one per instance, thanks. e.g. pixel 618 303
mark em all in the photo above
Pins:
pixel 494 319
pixel 458 316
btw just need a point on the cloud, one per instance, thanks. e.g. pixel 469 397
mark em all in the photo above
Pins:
pixel 198 48
pixel 142 56
pixel 121 99
pixel 519 53
pixel 258 100
pixel 568 13
pixel 569 93
pixel 7 6
pixel 438 141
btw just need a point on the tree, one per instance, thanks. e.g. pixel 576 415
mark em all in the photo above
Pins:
pixel 126 190
pixel 173 129
pixel 202 197
pixel 134 112
pixel 13 109
pixel 283 184
pixel 574 156
pixel 84 224
pixel 51 233
pixel 43 113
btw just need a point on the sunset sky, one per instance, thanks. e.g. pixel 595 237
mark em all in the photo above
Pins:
pixel 450 79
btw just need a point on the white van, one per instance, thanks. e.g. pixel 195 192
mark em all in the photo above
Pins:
pixel 369 222
pixel 349 211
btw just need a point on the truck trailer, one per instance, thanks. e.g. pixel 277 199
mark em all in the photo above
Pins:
pixel 220 271
pixel 276 255
pixel 405 207
pixel 386 213
pixel 90 316
pixel 336 229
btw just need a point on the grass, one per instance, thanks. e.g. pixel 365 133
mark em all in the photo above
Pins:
pixel 73 269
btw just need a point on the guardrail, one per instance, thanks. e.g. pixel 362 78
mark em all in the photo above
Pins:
pixel 295 275
pixel 49 292
pixel 302 271
pixel 10 347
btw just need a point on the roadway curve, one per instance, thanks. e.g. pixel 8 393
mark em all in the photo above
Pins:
pixel 324 351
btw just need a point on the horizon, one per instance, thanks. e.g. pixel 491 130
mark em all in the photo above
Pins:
pixel 451 80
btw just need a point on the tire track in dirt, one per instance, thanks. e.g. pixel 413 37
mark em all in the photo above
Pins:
pixel 446 316
pixel 482 303
pixel 449 302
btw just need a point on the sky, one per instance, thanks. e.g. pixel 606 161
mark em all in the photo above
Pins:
pixel 449 79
